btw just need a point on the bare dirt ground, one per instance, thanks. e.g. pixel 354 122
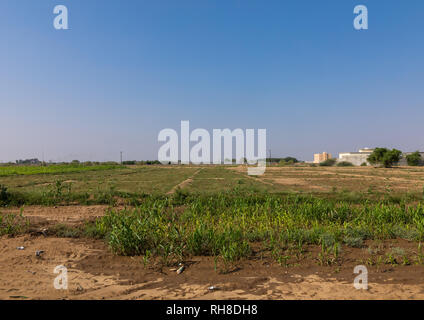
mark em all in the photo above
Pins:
pixel 60 214
pixel 95 273
pixel 324 179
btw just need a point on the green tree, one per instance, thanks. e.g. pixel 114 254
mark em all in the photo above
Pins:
pixel 414 159
pixel 290 159
pixel 328 163
pixel 384 157
pixel 345 164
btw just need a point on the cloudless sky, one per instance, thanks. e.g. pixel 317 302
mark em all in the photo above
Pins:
pixel 127 69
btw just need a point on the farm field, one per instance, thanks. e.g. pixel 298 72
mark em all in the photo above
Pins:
pixel 52 169
pixel 296 232
pixel 325 182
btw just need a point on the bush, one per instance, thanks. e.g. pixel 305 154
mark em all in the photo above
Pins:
pixel 328 163
pixel 345 164
pixel 354 242
pixel 414 159
pixel 12 224
pixel 286 163
pixel 290 159
pixel 385 157
pixel 364 164
pixel 4 195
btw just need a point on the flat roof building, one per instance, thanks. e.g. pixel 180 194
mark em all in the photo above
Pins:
pixel 320 157
pixel 356 158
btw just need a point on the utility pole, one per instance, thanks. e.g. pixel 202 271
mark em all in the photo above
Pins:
pixel 270 156
pixel 121 157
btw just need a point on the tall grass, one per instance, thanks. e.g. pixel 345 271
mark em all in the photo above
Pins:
pixel 12 224
pixel 229 225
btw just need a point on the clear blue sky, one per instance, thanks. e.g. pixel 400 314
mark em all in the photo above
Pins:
pixel 127 69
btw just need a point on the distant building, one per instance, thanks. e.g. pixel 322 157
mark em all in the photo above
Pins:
pixel 28 161
pixel 320 157
pixel 360 157
pixel 356 158
pixel 404 162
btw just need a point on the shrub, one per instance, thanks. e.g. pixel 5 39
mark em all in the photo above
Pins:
pixel 4 195
pixel 328 163
pixel 290 159
pixel 364 164
pixel 354 242
pixel 414 159
pixel 286 163
pixel 345 164
pixel 64 231
pixel 12 224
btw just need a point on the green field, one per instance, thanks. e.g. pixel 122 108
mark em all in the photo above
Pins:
pixel 83 186
pixel 232 225
pixel 108 184
pixel 174 212
pixel 52 169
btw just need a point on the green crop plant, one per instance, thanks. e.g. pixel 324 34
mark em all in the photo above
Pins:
pixel 228 224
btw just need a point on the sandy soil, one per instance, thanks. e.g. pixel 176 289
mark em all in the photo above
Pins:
pixel 95 273
pixel 60 214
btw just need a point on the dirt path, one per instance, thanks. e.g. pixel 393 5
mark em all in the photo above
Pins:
pixel 242 170
pixel 184 183
pixel 95 273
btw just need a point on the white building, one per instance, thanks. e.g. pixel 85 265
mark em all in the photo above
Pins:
pixel 356 158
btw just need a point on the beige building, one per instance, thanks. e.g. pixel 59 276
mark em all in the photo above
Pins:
pixel 320 157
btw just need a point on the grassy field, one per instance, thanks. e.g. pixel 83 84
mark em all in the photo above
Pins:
pixel 92 186
pixel 52 169
pixel 233 225
pixel 174 212
pixel 130 184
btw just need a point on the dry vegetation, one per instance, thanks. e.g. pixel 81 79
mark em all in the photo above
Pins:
pixel 294 218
